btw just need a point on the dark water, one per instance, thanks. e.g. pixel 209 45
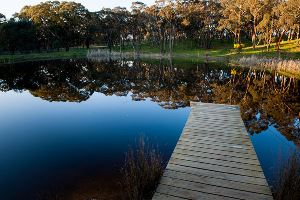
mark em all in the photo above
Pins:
pixel 65 126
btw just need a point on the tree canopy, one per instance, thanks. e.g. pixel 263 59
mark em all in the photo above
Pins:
pixel 54 25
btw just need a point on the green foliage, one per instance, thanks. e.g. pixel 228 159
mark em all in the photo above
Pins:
pixel 164 27
pixel 2 18
pixel 238 46
pixel 21 57
pixel 64 24
pixel 17 36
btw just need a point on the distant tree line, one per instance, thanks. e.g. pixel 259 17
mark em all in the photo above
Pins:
pixel 53 25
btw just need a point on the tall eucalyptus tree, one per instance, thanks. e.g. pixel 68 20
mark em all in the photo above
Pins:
pixel 137 25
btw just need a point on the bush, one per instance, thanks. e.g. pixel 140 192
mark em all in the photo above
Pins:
pixel 288 185
pixel 141 172
pixel 238 46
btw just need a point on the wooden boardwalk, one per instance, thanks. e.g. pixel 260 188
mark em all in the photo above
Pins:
pixel 214 159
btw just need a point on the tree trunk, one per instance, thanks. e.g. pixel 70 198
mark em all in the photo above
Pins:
pixel 269 36
pixel 289 36
pixel 235 37
pixel 254 33
pixel 298 33
pixel 239 29
pixel 269 40
pixel 170 43
pixel 161 41
pixel 120 44
pixel 109 43
pixel 87 43
pixel 138 47
pixel 164 46
pixel 279 40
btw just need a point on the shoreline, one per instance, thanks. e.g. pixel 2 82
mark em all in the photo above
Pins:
pixel 236 60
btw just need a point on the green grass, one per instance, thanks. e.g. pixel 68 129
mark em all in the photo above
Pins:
pixel 73 53
pixel 183 51
pixel 289 49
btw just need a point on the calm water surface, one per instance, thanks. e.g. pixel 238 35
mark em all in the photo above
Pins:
pixel 65 126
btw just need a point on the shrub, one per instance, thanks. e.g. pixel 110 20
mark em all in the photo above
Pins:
pixel 288 186
pixel 238 46
pixel 141 172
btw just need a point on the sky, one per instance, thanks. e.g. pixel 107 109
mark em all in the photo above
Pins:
pixel 9 7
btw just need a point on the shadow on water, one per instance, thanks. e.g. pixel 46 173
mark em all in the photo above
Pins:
pixel 270 103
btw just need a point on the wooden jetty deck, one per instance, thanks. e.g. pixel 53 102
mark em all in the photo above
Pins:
pixel 213 159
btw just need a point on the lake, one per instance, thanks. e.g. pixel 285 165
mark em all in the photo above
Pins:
pixel 66 125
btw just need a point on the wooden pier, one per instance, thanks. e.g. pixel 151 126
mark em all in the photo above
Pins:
pixel 213 159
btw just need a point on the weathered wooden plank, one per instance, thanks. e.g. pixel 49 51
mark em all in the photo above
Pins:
pixel 224 163
pixel 215 133
pixel 215 174
pixel 228 141
pixel 208 131
pixel 218 116
pixel 206 128
pixel 213 159
pixel 212 127
pixel 214 112
pixel 213 189
pixel 216 140
pixel 215 136
pixel 200 150
pixel 217 157
pixel 165 196
pixel 215 151
pixel 194 137
pixel 199 118
pixel 187 194
pixel 215 118
pixel 217 182
pixel 199 146
pixel 222 144
pixel 216 168
pixel 201 141
pixel 210 114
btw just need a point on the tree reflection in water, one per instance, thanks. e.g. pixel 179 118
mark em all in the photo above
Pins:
pixel 265 98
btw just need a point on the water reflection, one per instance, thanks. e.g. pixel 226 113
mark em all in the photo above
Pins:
pixel 266 99
pixel 81 144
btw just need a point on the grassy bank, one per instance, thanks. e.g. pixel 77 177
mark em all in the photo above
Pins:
pixel 73 53
pixel 288 49
pixel 183 51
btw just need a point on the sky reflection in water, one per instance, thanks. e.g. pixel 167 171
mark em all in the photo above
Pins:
pixel 42 142
pixel 55 145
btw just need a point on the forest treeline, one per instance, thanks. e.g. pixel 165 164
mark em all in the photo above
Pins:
pixel 53 25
